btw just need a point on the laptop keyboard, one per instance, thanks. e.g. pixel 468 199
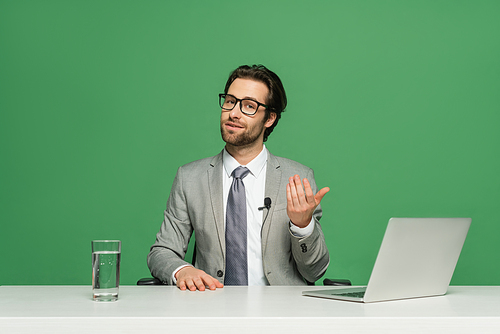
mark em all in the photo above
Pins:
pixel 359 294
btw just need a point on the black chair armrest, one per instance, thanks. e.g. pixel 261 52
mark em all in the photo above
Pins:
pixel 326 281
pixel 337 282
pixel 149 281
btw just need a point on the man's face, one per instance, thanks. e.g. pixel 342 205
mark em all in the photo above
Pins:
pixel 238 129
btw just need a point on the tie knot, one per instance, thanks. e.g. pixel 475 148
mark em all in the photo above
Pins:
pixel 240 172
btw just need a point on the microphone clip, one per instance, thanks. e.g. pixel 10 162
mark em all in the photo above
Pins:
pixel 267 204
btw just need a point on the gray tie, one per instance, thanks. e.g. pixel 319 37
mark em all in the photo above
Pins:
pixel 236 231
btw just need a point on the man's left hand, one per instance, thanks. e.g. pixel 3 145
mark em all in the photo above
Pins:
pixel 300 204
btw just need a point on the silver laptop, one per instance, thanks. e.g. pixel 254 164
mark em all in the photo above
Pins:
pixel 416 259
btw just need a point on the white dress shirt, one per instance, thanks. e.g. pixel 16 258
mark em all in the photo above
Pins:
pixel 255 184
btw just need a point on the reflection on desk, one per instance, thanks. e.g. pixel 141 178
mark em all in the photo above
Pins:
pixel 140 309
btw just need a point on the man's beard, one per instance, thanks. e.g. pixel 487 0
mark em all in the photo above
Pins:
pixel 244 138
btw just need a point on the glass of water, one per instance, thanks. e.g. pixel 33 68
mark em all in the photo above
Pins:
pixel 106 269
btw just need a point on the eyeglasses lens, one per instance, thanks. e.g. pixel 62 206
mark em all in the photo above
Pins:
pixel 227 102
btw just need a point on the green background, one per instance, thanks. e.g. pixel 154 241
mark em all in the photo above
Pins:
pixel 394 104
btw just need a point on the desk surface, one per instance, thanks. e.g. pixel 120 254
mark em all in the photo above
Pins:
pixel 55 309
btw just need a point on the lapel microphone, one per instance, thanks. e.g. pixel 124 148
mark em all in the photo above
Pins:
pixel 267 204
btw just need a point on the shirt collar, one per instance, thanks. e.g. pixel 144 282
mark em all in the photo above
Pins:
pixel 255 166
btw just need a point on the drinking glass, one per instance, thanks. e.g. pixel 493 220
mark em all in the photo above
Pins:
pixel 105 269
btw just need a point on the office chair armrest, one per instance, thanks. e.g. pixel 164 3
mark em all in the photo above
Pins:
pixel 337 282
pixel 326 281
pixel 149 281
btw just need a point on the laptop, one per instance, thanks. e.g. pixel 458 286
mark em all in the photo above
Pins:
pixel 417 258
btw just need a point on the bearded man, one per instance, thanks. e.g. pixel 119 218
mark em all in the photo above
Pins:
pixel 255 216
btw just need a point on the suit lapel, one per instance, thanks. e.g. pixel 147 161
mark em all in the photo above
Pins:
pixel 216 198
pixel 273 180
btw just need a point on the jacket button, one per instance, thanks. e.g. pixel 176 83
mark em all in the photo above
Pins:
pixel 220 273
pixel 304 248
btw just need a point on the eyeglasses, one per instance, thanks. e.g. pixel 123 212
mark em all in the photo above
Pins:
pixel 247 106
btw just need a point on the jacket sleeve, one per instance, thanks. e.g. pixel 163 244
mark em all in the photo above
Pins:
pixel 169 249
pixel 310 253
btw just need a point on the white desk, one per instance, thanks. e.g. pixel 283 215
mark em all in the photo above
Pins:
pixel 148 309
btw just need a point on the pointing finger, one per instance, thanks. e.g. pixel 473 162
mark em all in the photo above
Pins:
pixel 309 193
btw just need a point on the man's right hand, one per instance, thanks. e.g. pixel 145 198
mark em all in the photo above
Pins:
pixel 192 279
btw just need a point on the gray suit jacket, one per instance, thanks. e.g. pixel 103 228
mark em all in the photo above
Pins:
pixel 195 203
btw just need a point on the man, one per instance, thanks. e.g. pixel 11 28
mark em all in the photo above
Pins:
pixel 255 215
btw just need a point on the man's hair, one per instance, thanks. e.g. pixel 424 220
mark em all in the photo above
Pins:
pixel 276 98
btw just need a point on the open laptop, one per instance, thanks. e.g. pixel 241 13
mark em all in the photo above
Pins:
pixel 416 259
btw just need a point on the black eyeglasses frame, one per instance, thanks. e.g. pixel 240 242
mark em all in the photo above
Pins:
pixel 223 96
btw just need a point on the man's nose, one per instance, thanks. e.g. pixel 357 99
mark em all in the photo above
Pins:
pixel 236 112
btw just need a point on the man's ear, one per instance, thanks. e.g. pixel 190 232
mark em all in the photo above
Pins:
pixel 270 120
